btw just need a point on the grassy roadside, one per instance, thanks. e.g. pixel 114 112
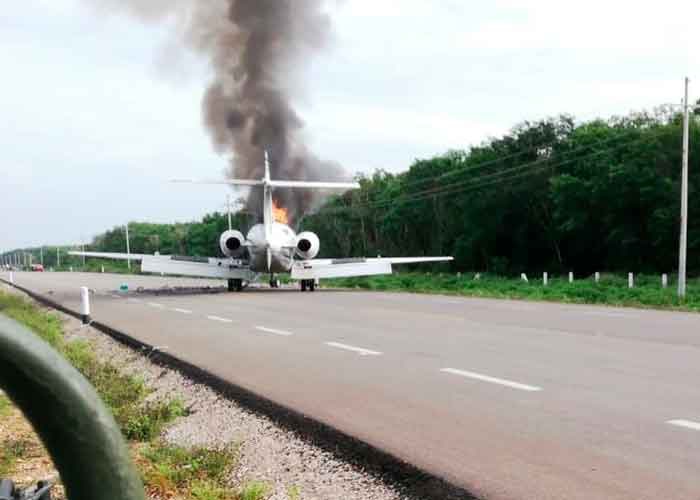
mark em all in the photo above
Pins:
pixel 168 471
pixel 612 290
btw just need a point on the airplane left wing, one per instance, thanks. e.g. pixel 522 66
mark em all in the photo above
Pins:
pixel 206 267
pixel 347 268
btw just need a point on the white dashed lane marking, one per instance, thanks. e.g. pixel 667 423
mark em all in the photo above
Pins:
pixel 686 424
pixel 358 350
pixel 182 311
pixel 492 380
pixel 220 320
pixel 273 331
pixel 156 306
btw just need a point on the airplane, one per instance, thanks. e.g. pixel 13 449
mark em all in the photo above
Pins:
pixel 270 248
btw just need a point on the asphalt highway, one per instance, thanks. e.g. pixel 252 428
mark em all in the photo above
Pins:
pixel 511 400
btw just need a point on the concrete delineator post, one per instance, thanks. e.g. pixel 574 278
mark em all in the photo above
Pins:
pixel 630 280
pixel 664 280
pixel 545 279
pixel 597 277
pixel 85 305
pixel 12 277
pixel 571 277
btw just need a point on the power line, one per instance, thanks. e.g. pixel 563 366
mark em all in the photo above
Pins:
pixel 531 149
pixel 493 178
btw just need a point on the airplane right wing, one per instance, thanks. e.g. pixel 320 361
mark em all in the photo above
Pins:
pixel 347 268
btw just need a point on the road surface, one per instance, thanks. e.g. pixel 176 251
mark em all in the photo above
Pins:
pixel 510 400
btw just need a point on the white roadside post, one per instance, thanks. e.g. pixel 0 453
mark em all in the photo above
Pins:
pixel 524 278
pixel 571 277
pixel 85 305
pixel 103 269
pixel 545 279
pixel 597 277
pixel 12 277
pixel 664 280
pixel 630 280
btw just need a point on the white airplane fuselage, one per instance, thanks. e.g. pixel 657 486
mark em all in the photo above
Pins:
pixel 279 246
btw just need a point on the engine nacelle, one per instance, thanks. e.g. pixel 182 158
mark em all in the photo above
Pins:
pixel 232 243
pixel 308 245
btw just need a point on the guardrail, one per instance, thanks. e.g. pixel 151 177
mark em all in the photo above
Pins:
pixel 78 431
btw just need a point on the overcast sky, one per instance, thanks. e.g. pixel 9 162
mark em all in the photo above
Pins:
pixel 99 111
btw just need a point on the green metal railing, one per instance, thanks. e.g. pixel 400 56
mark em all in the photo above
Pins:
pixel 68 415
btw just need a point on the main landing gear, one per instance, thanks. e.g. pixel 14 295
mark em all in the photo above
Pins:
pixel 235 285
pixel 308 285
pixel 275 283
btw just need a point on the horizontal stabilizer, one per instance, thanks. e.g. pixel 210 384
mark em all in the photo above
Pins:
pixel 273 184
pixel 224 182
pixel 314 185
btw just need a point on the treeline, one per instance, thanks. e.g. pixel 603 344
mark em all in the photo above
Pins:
pixel 551 195
pixel 200 238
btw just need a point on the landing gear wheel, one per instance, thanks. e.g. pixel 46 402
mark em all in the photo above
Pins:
pixel 235 285
pixel 275 284
pixel 308 285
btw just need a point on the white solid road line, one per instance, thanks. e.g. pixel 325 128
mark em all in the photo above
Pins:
pixel 358 350
pixel 182 311
pixel 155 305
pixel 220 320
pixel 281 333
pixel 685 423
pixel 492 380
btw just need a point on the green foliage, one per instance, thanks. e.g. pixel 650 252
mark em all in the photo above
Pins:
pixel 125 395
pixel 612 290
pixel 202 472
pixel 294 493
pixel 45 325
pixel 254 491
pixel 549 196
pixel 12 450
pixel 5 406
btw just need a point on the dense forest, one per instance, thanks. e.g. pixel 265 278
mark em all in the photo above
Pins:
pixel 551 195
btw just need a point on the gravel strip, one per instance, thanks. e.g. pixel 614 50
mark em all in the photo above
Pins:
pixel 268 452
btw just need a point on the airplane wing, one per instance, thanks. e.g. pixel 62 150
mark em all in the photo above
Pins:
pixel 346 268
pixel 204 267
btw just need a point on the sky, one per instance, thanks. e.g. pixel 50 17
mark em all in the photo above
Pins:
pixel 100 111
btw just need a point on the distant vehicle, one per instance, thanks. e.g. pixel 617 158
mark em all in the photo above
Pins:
pixel 270 248
pixel 37 268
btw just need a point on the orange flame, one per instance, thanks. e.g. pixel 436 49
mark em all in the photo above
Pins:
pixel 280 214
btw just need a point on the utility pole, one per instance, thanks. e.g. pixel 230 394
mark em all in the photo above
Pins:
pixel 684 197
pixel 41 255
pixel 58 257
pixel 128 247
pixel 82 249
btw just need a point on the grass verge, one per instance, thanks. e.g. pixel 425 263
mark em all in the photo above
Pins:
pixel 611 290
pixel 168 471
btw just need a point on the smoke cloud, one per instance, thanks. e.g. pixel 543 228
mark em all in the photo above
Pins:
pixel 258 50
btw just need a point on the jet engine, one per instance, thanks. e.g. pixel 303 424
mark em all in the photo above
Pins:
pixel 308 246
pixel 232 243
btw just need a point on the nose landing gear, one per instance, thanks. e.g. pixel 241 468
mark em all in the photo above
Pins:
pixel 275 283
pixel 235 285
pixel 308 285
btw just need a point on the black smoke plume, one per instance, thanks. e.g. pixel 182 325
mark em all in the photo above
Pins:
pixel 258 50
